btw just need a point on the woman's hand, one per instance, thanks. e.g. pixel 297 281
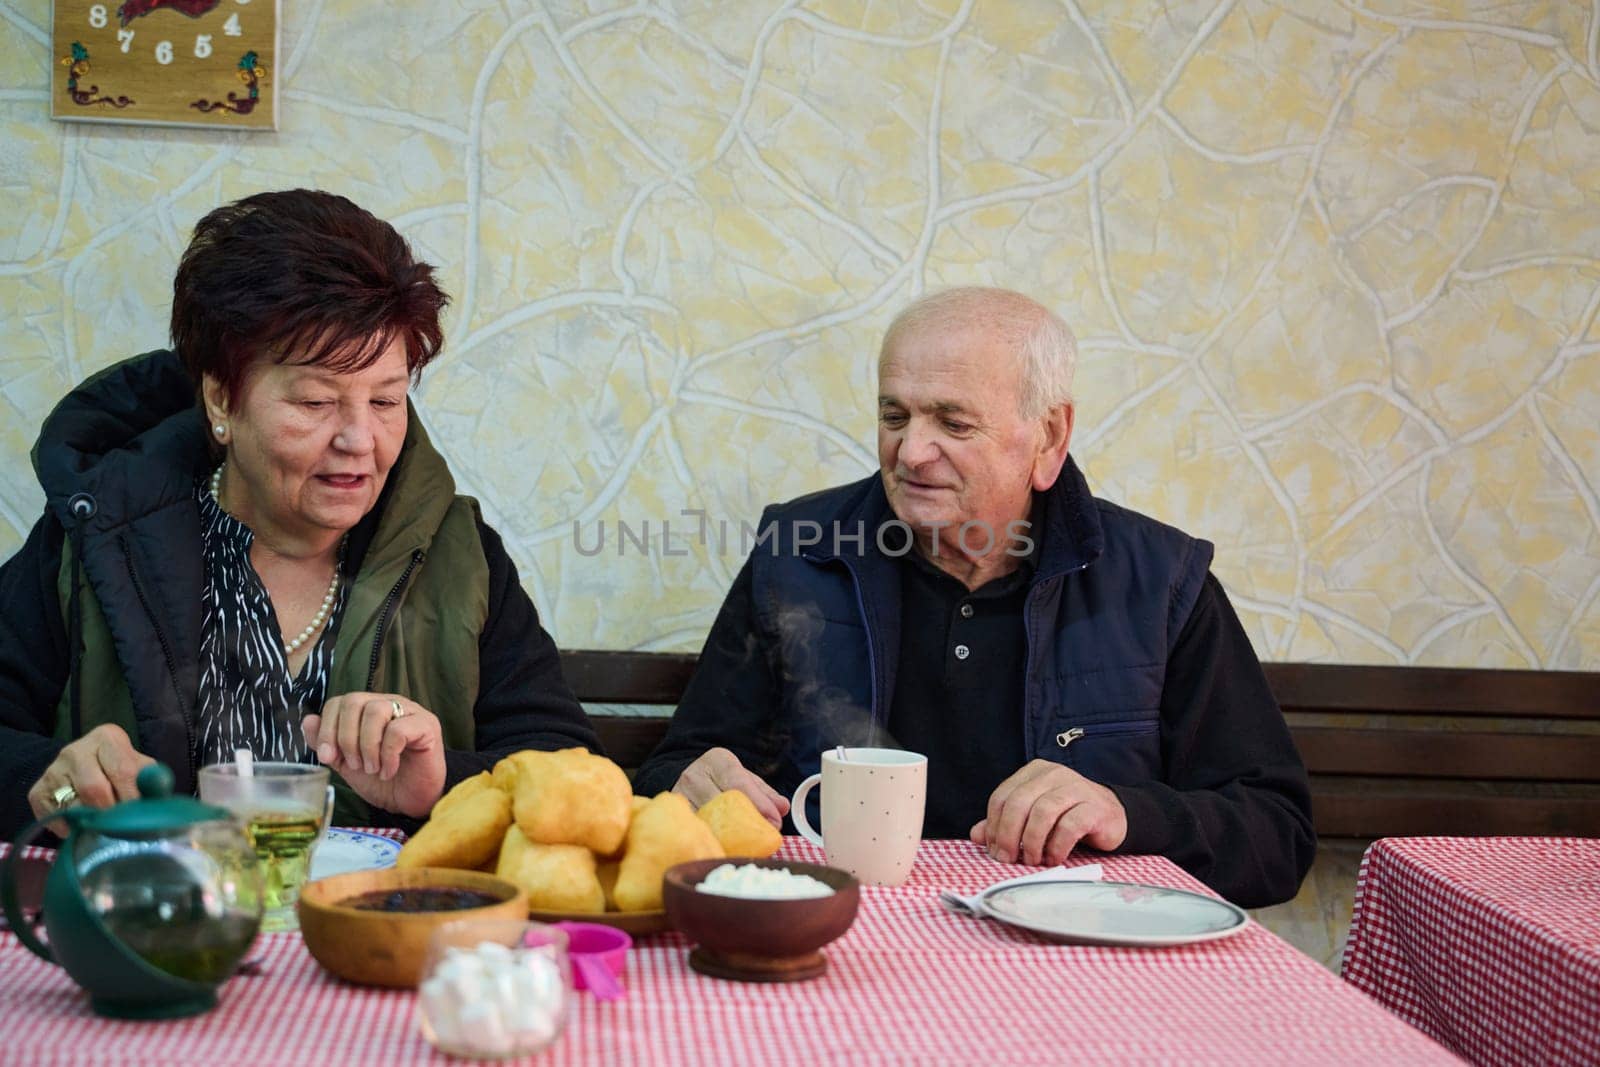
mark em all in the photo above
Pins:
pixel 388 748
pixel 100 767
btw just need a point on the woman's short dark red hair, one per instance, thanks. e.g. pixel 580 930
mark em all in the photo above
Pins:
pixel 300 276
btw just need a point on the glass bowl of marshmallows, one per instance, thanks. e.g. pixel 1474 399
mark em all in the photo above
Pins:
pixel 494 988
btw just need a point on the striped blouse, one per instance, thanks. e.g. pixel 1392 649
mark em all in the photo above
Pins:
pixel 247 699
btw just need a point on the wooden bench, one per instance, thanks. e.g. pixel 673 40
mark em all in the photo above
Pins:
pixel 1391 750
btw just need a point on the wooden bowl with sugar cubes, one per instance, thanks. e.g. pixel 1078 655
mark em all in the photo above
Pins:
pixel 760 920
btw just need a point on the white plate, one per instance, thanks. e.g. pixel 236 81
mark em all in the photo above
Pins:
pixel 1113 913
pixel 352 850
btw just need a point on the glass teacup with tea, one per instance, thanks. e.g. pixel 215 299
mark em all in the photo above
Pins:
pixel 284 809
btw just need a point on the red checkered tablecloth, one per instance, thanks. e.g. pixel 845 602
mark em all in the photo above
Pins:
pixel 1490 944
pixel 909 983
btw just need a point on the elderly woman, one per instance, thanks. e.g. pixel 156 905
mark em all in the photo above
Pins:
pixel 250 543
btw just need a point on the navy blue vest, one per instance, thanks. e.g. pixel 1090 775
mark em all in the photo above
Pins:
pixel 1110 594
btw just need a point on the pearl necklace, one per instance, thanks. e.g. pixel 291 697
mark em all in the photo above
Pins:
pixel 293 645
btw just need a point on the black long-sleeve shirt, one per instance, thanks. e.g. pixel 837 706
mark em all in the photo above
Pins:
pixel 960 708
pixel 1232 805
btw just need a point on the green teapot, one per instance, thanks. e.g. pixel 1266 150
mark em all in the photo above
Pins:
pixel 150 905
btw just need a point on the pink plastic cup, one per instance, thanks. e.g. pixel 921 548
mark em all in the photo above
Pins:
pixel 599 955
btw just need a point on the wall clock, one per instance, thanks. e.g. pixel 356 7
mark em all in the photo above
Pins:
pixel 208 63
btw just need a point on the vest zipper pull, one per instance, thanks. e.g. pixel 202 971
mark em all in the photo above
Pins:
pixel 1066 737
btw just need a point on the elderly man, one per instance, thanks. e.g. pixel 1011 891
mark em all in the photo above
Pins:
pixel 1072 670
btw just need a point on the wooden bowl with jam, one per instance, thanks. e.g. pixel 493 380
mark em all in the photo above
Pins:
pixel 372 927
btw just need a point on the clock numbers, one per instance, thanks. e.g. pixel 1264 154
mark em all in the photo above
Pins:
pixel 100 18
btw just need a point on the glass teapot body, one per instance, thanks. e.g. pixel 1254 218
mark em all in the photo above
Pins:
pixel 150 905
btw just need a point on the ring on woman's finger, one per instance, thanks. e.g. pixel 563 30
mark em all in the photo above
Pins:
pixel 64 796
pixel 399 712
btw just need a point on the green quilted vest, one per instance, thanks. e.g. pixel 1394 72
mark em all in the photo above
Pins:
pixel 424 581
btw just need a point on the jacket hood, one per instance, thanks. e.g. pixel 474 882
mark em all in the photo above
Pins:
pixel 130 437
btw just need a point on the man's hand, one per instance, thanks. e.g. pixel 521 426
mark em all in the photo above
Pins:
pixel 101 765
pixel 1038 815
pixel 719 770
pixel 389 749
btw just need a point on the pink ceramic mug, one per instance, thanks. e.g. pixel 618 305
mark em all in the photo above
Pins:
pixel 872 806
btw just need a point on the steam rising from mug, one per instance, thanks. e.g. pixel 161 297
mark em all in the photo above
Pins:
pixel 834 715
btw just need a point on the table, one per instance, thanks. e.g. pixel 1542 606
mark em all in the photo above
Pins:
pixel 1490 944
pixel 909 983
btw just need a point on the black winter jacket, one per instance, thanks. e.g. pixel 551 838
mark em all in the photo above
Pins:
pixel 118 459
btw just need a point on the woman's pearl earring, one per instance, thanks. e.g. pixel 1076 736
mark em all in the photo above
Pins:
pixel 220 430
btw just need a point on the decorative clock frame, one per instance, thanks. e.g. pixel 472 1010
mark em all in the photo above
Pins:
pixel 204 63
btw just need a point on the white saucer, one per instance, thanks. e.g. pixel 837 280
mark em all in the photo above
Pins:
pixel 352 850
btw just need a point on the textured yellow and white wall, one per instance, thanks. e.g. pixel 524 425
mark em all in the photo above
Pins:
pixel 1335 268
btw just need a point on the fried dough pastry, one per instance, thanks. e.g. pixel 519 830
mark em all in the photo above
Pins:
pixel 740 828
pixel 664 833
pixel 571 797
pixel 555 877
pixel 463 789
pixel 464 835
pixel 615 855
pixel 607 871
pixel 507 771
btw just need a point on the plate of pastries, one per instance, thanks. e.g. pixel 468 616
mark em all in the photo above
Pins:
pixel 566 828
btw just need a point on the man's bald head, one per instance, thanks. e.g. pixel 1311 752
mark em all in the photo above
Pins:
pixel 1042 342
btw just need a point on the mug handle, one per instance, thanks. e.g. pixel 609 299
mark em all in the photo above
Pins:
pixel 797 810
